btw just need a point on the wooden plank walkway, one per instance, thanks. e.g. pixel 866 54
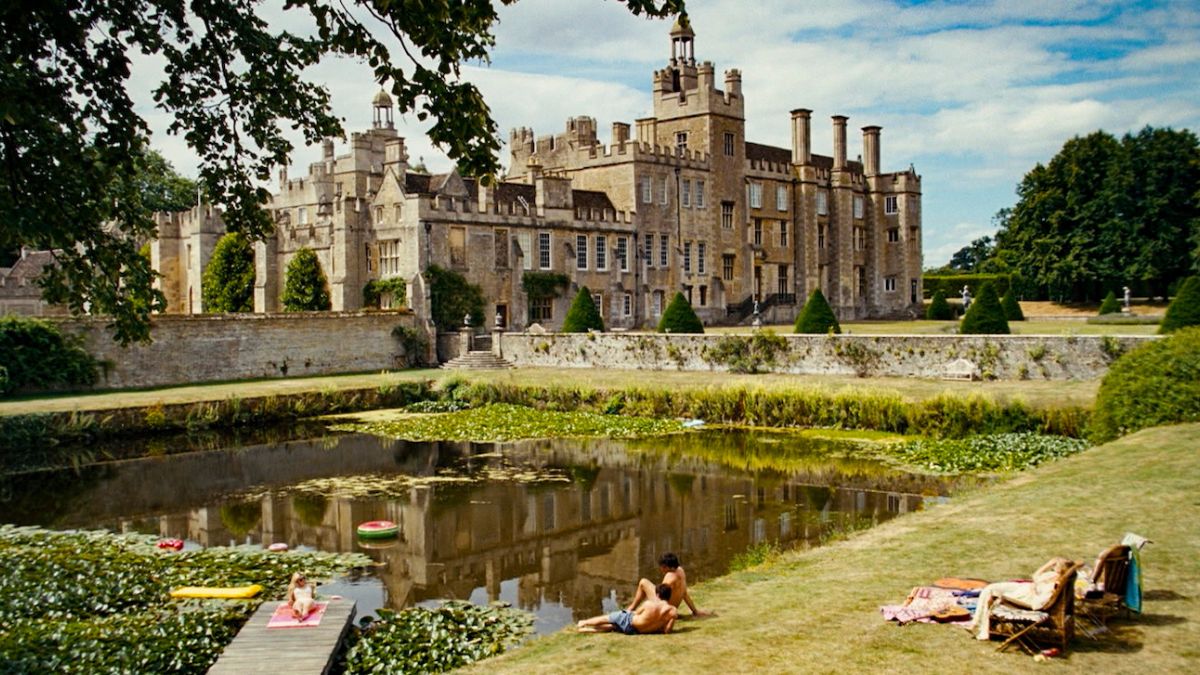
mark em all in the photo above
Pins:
pixel 295 651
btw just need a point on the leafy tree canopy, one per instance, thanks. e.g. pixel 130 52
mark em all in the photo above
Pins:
pixel 305 288
pixel 233 83
pixel 583 314
pixel 452 297
pixel 228 281
pixel 817 316
pixel 972 256
pixel 1104 213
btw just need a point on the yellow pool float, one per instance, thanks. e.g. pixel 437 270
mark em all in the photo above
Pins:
pixel 229 592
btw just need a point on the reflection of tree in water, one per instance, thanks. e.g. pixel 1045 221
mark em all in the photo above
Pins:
pixel 45 497
pixel 681 483
pixel 584 475
pixel 241 517
pixel 310 508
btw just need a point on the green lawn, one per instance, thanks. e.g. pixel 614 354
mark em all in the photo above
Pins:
pixel 1031 327
pixel 817 611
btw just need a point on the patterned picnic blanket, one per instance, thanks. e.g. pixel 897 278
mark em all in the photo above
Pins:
pixel 925 601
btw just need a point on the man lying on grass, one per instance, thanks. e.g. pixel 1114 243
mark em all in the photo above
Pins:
pixel 676 578
pixel 656 615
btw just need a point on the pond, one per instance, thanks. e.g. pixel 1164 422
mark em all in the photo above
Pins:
pixel 563 528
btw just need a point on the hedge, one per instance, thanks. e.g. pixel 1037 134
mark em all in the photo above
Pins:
pixel 1157 383
pixel 35 354
pixel 951 284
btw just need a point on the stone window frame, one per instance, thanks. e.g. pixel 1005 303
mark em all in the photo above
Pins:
pixel 781 279
pixel 703 295
pixel 525 241
pixel 701 255
pixel 730 139
pixel 687 257
pixel 727 215
pixel 627 304
pixel 541 309
pixel 681 142
pixel 389 258
pixel 647 190
pixel 893 235
pixel 860 238
pixel 728 261
pixel 601 253
pixel 889 284
pixel 622 254
pixel 822 202
pixel 758 231
pixel 598 300
pixel 648 244
pixel 685 193
pixel 699 194
pixel 781 199
pixel 891 205
pixel 755 194
pixel 859 207
pixel 581 252
pixel 664 250
pixel 663 197
pixel 458 254
pixel 822 236
pixel 783 233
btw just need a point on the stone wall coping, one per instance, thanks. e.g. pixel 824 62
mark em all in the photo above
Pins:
pixel 246 316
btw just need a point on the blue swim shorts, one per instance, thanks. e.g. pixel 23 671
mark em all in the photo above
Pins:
pixel 623 621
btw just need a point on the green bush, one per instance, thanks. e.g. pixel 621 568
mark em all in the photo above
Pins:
pixel 228 281
pixel 817 316
pixel 1184 310
pixel 35 354
pixel 939 309
pixel 951 285
pixel 1157 383
pixel 985 316
pixel 452 297
pixel 1012 308
pixel 305 288
pixel 374 290
pixel 679 317
pixel 583 315
pixel 1110 305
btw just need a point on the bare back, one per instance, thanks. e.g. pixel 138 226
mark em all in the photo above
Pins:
pixel 654 616
pixel 677 580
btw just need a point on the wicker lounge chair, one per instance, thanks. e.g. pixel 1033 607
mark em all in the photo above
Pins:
pixel 1053 624
pixel 1105 596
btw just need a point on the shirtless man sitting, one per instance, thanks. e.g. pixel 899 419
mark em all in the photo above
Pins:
pixel 655 615
pixel 676 578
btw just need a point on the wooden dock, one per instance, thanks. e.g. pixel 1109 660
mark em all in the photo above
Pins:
pixel 295 651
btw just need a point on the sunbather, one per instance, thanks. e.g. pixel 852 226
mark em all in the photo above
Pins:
pixel 676 578
pixel 654 616
pixel 1035 594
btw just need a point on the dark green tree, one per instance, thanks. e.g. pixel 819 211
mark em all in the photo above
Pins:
pixel 234 86
pixel 305 288
pixel 939 309
pixel 161 187
pixel 971 257
pixel 583 315
pixel 817 316
pixel 228 281
pixel 452 297
pixel 985 316
pixel 1012 308
pixel 1110 304
pixel 1153 384
pixel 1184 310
pixel 679 317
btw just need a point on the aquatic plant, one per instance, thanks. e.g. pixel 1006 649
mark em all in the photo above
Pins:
pixel 992 452
pixel 434 640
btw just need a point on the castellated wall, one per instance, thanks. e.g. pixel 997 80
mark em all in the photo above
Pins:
pixel 207 348
pixel 1005 357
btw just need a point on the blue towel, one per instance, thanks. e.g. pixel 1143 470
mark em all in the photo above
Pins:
pixel 1133 584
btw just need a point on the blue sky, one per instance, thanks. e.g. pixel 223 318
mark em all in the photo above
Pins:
pixel 972 93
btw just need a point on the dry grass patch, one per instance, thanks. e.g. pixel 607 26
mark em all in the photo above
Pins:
pixel 817 611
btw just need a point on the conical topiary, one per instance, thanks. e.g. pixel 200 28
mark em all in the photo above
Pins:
pixel 1110 304
pixel 1012 308
pixel 679 317
pixel 817 316
pixel 1184 310
pixel 305 288
pixel 227 284
pixel 985 316
pixel 583 315
pixel 939 309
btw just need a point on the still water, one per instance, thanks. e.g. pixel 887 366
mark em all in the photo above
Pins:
pixel 562 528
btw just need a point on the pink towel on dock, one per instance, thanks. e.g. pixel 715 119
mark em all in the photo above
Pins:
pixel 283 617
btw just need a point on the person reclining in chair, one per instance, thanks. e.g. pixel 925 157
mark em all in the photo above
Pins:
pixel 1035 594
pixel 676 578
pixel 654 616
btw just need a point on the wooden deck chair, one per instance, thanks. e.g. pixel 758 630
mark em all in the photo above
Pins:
pixel 1105 596
pixel 1054 624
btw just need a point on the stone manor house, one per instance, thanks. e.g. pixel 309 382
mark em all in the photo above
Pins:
pixel 680 201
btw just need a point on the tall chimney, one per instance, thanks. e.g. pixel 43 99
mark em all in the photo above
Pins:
pixel 620 134
pixel 839 142
pixel 801 136
pixel 871 150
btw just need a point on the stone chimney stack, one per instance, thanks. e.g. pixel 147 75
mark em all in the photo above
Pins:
pixel 733 82
pixel 327 149
pixel 620 134
pixel 533 169
pixel 871 150
pixel 801 136
pixel 839 142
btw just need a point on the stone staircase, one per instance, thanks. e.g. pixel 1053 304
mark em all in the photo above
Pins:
pixel 477 360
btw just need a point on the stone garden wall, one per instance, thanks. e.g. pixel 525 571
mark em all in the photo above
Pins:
pixel 207 348
pixel 931 356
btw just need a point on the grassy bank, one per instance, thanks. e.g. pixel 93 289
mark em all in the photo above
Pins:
pixel 817 611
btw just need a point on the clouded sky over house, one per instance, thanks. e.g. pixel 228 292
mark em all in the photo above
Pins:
pixel 972 93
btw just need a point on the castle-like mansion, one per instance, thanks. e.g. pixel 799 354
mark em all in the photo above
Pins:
pixel 681 201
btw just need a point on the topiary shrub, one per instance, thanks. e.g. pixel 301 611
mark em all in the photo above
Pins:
pixel 305 288
pixel 985 316
pixel 1184 310
pixel 452 297
pixel 1156 383
pixel 34 354
pixel 1109 305
pixel 228 281
pixel 817 316
pixel 679 317
pixel 939 309
pixel 583 315
pixel 1012 308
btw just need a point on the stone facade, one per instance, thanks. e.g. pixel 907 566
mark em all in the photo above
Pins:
pixel 684 203
pixel 215 348
pixel 1003 357
pixel 19 291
